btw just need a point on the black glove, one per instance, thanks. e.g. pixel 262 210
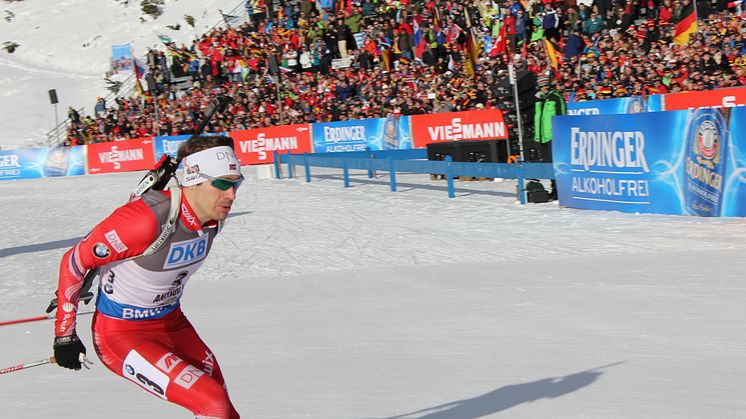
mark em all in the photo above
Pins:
pixel 67 350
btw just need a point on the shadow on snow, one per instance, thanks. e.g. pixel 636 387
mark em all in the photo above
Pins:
pixel 507 397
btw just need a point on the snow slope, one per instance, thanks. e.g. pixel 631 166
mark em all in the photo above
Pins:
pixel 321 302
pixel 66 45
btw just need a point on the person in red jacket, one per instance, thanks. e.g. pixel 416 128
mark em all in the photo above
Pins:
pixel 146 251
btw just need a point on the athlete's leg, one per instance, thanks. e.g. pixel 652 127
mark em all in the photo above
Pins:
pixel 144 353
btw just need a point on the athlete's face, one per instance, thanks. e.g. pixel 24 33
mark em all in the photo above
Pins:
pixel 210 203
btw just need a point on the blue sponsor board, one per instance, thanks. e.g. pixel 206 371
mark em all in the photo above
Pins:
pixel 621 162
pixel 168 145
pixel 391 133
pixel 622 105
pixel 681 162
pixel 42 162
pixel 734 183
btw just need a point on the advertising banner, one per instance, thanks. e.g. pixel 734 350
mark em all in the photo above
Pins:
pixel 42 162
pixel 622 105
pixel 681 162
pixel 257 146
pixel 486 124
pixel 734 185
pixel 168 145
pixel 720 98
pixel 121 156
pixel 391 133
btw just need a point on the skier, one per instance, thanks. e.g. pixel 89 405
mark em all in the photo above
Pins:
pixel 139 330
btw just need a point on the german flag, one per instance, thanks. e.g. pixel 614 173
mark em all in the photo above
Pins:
pixel 687 25
pixel 553 53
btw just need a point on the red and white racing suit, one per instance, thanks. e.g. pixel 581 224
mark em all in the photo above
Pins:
pixel 139 330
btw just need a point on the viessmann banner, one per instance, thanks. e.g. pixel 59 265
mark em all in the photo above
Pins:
pixel 257 146
pixel 486 124
pixel 720 98
pixel 42 162
pixel 681 162
pixel 121 156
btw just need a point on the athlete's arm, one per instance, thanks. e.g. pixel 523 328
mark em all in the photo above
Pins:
pixel 127 232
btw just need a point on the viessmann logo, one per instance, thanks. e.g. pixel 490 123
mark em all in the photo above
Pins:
pixel 457 130
pixel 117 156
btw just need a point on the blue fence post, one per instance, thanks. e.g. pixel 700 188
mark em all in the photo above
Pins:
pixel 370 156
pixel 308 167
pixel 346 172
pixel 521 187
pixel 290 165
pixel 277 165
pixel 392 174
pixel 449 177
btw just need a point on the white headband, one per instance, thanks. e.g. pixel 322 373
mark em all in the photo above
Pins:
pixel 213 162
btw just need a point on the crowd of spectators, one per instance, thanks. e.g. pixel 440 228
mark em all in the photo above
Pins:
pixel 298 63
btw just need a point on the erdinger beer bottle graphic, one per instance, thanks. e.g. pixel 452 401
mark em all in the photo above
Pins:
pixel 390 139
pixel 637 104
pixel 56 162
pixel 706 146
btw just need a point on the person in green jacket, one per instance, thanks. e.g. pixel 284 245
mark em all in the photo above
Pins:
pixel 549 103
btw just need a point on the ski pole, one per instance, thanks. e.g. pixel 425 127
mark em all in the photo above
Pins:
pixel 14 368
pixel 84 362
pixel 34 319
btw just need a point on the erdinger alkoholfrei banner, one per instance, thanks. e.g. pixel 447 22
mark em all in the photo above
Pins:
pixel 391 133
pixel 168 145
pixel 681 162
pixel 121 156
pixel 719 98
pixel 622 105
pixel 34 163
pixel 486 124
pixel 257 146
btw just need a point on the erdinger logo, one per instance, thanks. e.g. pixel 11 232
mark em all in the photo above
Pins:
pixel 186 252
pixel 190 170
pixel 707 144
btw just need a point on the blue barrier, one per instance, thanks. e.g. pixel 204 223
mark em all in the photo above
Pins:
pixel 412 161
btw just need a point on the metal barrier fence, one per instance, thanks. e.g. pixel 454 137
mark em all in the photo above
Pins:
pixel 412 161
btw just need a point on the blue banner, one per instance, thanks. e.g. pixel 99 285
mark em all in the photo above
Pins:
pixel 734 185
pixel 680 162
pixel 391 133
pixel 121 58
pixel 41 162
pixel 622 105
pixel 168 145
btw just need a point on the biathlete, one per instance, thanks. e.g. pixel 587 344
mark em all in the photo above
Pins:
pixel 146 251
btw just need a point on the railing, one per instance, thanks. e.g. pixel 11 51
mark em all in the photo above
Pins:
pixel 412 161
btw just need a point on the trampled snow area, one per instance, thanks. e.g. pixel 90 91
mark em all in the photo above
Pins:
pixel 66 45
pixel 321 302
